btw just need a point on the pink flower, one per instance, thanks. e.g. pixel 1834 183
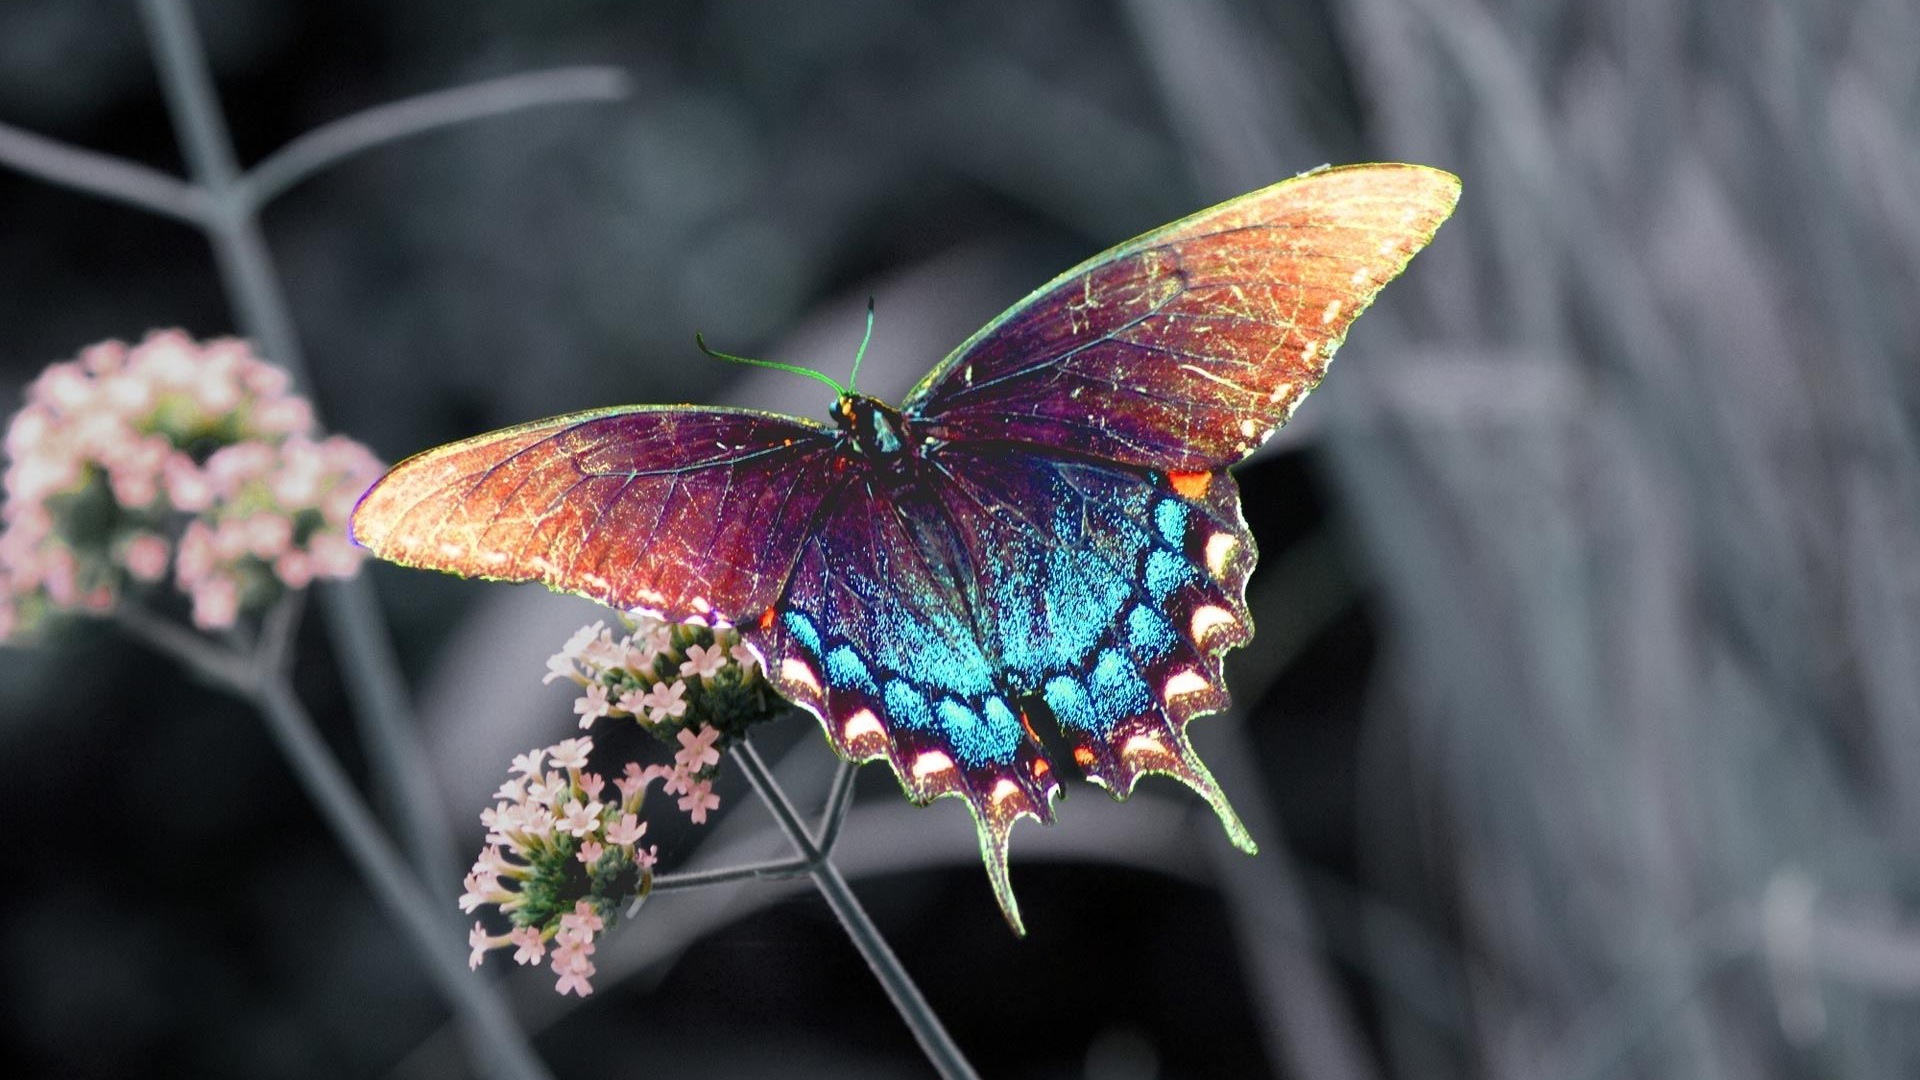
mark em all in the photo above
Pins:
pixel 584 917
pixel 648 857
pixel 590 851
pixel 632 702
pixel 703 661
pixel 571 753
pixel 592 705
pixel 664 701
pixel 187 486
pixel 294 569
pixel 528 764
pixel 528 947
pixel 580 820
pixel 560 666
pixel 479 942
pixel 696 749
pixel 627 831
pixel 592 784
pixel 216 602
pixel 574 971
pixel 146 556
pixel 698 800
pixel 743 655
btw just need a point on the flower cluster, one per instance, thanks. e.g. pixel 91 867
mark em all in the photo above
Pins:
pixel 563 852
pixel 171 455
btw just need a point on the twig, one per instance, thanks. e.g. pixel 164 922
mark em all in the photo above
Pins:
pixel 839 798
pixel 919 1016
pixel 332 142
pixel 771 870
pixel 101 174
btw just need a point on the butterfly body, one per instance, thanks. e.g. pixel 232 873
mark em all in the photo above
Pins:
pixel 1045 527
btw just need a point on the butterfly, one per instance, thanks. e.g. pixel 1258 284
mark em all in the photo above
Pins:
pixel 1046 525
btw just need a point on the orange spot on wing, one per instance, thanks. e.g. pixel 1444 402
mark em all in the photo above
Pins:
pixel 1190 485
pixel 1041 768
pixel 1083 756
pixel 766 619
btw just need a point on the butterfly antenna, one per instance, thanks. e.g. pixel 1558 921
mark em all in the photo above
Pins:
pixel 853 380
pixel 774 364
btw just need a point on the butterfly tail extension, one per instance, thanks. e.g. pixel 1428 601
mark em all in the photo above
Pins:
pixel 1206 602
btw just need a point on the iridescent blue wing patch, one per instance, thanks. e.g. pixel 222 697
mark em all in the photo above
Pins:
pixel 876 636
pixel 1109 595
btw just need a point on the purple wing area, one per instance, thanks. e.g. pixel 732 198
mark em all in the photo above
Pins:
pixel 1186 348
pixel 689 513
pixel 1110 596
pixel 876 636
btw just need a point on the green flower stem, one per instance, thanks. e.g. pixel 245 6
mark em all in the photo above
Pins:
pixel 500 1049
pixel 927 1029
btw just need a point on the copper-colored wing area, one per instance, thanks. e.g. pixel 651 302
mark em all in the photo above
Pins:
pixel 1185 349
pixel 684 512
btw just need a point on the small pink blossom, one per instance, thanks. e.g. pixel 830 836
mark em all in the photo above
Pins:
pixel 146 556
pixel 592 784
pixel 571 753
pixel 592 705
pixel 627 831
pixel 743 655
pixel 703 661
pixel 216 602
pixel 580 820
pixel 666 700
pixel 698 800
pixel 584 917
pixel 529 763
pixel 696 749
pixel 528 946
pixel 590 851
pixel 632 702
pixel 479 942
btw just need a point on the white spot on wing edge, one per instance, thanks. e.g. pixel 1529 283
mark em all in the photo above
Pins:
pixel 1182 683
pixel 796 671
pixel 860 725
pixel 1207 618
pixel 1279 391
pixel 1002 791
pixel 1220 548
pixel 1330 312
pixel 931 763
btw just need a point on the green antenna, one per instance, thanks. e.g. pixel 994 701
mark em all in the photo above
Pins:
pixel 853 380
pixel 777 366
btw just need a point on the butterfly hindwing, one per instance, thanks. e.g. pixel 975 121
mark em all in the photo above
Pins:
pixel 1186 348
pixel 876 636
pixel 692 513
pixel 1111 594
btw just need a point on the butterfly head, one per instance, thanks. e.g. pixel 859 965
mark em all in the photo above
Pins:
pixel 875 429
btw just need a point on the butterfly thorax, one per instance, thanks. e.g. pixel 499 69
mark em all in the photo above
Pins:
pixel 874 429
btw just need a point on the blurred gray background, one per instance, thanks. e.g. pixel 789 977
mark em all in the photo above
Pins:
pixel 1582 731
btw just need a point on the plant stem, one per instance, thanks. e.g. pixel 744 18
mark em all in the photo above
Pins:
pixel 920 1017
pixel 358 634
pixel 839 799
pixel 500 1049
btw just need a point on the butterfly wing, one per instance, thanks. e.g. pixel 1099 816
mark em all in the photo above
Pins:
pixel 684 512
pixel 1184 349
pixel 1085 434
pixel 1110 596
pixel 877 636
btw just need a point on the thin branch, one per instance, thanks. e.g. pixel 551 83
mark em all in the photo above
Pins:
pixel 332 142
pixel 919 1016
pixel 101 174
pixel 839 798
pixel 771 870
pixel 501 1049
pixel 230 669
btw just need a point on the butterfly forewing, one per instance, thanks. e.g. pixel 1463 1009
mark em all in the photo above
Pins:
pixel 1186 348
pixel 691 513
